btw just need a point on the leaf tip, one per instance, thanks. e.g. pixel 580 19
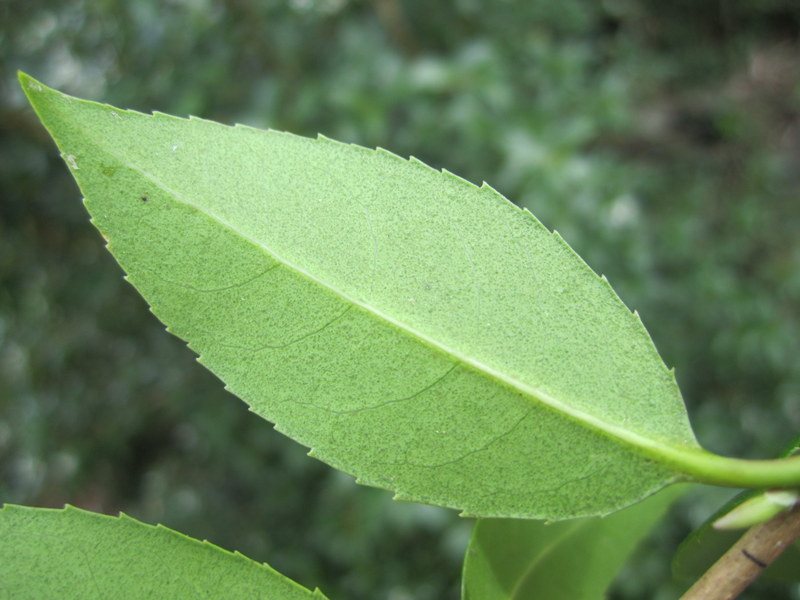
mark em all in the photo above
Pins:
pixel 30 86
pixel 24 78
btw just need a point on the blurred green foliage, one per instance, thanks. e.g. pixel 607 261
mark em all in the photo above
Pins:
pixel 661 139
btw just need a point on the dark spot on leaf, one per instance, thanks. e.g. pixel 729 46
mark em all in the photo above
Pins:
pixel 144 198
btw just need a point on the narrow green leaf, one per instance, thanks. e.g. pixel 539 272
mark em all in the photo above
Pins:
pixel 416 331
pixel 760 508
pixel 72 553
pixel 516 560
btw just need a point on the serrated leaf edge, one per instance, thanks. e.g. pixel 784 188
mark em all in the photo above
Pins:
pixel 121 517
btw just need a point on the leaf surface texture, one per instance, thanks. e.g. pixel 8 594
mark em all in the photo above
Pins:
pixel 412 329
pixel 73 553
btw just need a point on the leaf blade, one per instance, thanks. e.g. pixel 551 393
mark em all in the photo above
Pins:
pixel 333 281
pixel 73 553
pixel 578 559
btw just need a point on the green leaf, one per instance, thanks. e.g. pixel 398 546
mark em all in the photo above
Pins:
pixel 72 553
pixel 516 560
pixel 758 509
pixel 416 331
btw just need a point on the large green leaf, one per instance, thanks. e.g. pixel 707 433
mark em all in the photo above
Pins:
pixel 516 560
pixel 414 330
pixel 72 553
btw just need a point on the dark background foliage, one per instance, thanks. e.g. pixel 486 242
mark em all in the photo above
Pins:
pixel 662 139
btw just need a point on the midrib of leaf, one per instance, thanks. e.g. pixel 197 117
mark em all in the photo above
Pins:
pixel 689 461
pixel 655 447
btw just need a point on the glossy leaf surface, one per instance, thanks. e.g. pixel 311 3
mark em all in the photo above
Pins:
pixel 72 553
pixel 416 331
pixel 516 560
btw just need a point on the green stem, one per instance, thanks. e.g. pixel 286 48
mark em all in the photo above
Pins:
pixel 713 469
